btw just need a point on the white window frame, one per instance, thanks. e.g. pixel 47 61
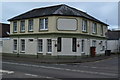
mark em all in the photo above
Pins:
pixel 22 45
pixel 1 43
pixel 49 46
pixel 82 46
pixel 94 43
pixel 94 27
pixel 14 45
pixel 43 24
pixel 101 46
pixel 40 45
pixel 22 26
pixel 30 24
pixel 84 25
pixel 101 30
pixel 15 26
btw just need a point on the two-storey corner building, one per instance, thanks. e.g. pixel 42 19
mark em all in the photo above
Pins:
pixel 57 30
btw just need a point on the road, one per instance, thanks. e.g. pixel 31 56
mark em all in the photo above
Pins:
pixel 107 68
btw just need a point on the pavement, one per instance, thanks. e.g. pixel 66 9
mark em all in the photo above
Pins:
pixel 105 69
pixel 59 60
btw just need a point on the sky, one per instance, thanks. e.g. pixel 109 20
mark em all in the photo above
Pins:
pixel 105 11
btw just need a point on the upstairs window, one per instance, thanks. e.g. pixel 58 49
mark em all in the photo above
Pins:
pixel 22 26
pixel 15 26
pixel 44 24
pixel 84 25
pixel 101 30
pixel 30 25
pixel 94 28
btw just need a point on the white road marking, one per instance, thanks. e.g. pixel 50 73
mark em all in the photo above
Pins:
pixel 31 75
pixel 6 71
pixel 47 67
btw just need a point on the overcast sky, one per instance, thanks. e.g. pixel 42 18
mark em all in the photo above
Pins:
pixel 104 11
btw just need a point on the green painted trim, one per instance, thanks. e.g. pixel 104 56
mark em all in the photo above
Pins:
pixel 56 34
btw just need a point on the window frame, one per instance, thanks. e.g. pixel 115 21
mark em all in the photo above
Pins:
pixel 15 26
pixel 22 45
pixel 94 42
pixel 49 46
pixel 40 46
pixel 22 26
pixel 94 28
pixel 101 30
pixel 84 25
pixel 102 48
pixel 43 24
pixel 30 25
pixel 15 45
pixel 82 46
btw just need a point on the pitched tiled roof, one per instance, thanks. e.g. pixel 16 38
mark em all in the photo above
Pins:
pixel 59 10
pixel 113 35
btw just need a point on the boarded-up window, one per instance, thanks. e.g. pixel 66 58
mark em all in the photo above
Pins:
pixel 66 24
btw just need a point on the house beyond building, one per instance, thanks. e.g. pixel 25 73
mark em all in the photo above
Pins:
pixel 113 42
pixel 57 30
pixel 4 34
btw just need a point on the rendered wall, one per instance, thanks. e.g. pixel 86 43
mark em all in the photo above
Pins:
pixel 113 45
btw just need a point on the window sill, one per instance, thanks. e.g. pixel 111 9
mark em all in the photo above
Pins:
pixel 43 30
pixel 14 31
pixel 22 31
pixel 14 51
pixel 83 52
pixel 40 52
pixel 94 33
pixel 84 31
pixel 30 31
pixel 49 52
pixel 22 51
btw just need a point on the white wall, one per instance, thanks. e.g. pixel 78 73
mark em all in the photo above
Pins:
pixel 67 48
pixel 32 47
pixel 7 45
pixel 113 45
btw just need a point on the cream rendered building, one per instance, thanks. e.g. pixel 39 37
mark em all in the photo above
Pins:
pixel 57 30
